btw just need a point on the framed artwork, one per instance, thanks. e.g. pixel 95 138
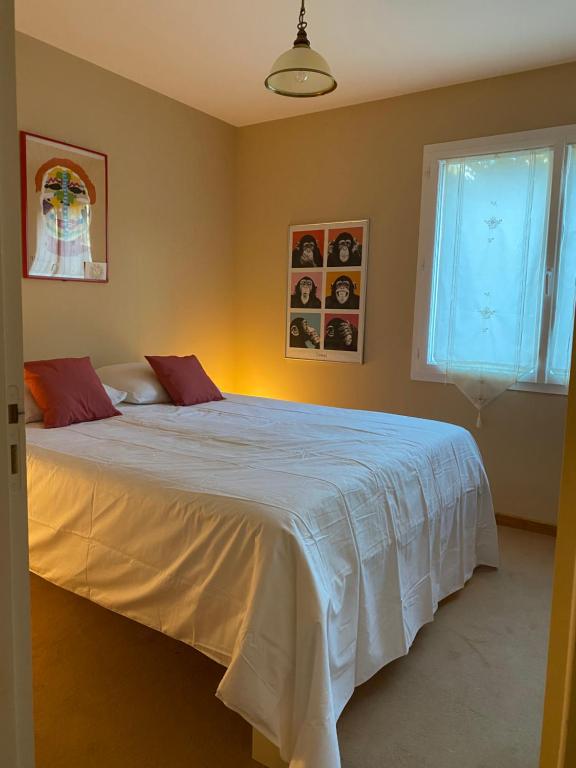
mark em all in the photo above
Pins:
pixel 64 210
pixel 327 291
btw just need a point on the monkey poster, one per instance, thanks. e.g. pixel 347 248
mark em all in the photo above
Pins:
pixel 342 290
pixel 306 289
pixel 304 330
pixel 341 332
pixel 325 308
pixel 308 248
pixel 345 247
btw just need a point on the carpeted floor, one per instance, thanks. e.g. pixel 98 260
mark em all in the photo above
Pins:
pixel 110 693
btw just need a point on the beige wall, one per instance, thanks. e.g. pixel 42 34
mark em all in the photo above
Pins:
pixel 366 161
pixel 173 175
pixel 171 199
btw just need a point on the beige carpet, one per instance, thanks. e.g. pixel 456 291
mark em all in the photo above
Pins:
pixel 110 693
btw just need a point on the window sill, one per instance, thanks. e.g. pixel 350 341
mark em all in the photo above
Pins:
pixel 437 377
pixel 544 389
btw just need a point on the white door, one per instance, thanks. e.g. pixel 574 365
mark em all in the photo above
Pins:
pixel 16 729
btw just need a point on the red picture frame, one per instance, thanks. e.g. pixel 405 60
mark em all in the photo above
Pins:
pixel 67 186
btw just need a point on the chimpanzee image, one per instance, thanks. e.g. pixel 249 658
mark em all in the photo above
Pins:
pixel 307 253
pixel 342 295
pixel 303 334
pixel 344 251
pixel 341 334
pixel 304 295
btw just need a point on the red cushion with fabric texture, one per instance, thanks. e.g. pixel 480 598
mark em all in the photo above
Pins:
pixel 68 391
pixel 184 379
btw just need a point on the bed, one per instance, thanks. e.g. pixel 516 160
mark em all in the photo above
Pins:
pixel 301 547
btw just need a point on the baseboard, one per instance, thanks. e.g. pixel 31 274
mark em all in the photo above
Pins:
pixel 526 525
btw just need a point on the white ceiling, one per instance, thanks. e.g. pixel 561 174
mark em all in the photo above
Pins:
pixel 215 54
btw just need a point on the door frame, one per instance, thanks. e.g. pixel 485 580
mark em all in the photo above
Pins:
pixel 558 749
pixel 16 721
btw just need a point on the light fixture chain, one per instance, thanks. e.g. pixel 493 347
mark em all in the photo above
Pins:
pixel 301 23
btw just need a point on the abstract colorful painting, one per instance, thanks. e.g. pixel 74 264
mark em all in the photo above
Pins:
pixel 64 210
pixel 327 285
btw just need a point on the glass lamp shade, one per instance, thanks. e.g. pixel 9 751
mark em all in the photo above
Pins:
pixel 300 72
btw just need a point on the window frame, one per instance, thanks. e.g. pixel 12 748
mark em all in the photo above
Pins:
pixel 557 138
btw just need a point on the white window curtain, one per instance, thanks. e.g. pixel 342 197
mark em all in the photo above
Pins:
pixel 559 354
pixel 489 271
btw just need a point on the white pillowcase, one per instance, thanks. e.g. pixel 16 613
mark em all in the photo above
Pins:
pixel 117 396
pixel 33 412
pixel 138 380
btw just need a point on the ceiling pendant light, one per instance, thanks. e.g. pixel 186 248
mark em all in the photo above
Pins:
pixel 301 72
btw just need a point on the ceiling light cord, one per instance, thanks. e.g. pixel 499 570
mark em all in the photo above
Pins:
pixel 302 37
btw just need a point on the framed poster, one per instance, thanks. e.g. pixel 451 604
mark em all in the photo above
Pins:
pixel 64 210
pixel 327 291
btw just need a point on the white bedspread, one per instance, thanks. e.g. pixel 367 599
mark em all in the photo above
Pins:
pixel 300 546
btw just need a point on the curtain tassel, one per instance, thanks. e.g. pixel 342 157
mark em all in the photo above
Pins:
pixel 479 420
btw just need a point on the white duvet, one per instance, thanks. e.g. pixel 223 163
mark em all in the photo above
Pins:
pixel 300 546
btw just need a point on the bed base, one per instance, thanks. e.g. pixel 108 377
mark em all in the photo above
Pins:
pixel 266 753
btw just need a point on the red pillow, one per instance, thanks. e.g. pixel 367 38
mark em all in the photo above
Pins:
pixel 184 379
pixel 68 391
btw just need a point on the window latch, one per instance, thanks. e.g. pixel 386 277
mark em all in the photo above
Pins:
pixel 548 283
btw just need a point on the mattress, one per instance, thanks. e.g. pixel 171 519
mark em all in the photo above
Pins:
pixel 300 546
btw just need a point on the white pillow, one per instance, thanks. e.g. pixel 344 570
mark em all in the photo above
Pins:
pixel 116 395
pixel 138 380
pixel 32 411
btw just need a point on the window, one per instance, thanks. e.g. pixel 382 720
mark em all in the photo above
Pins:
pixel 497 263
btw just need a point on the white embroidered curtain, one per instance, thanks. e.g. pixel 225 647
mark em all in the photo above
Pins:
pixel 558 369
pixel 489 270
